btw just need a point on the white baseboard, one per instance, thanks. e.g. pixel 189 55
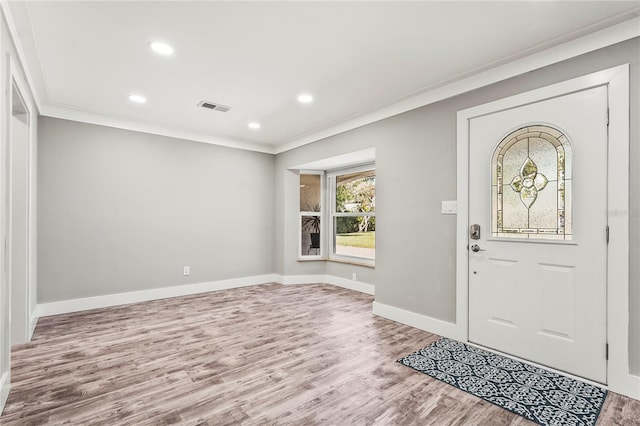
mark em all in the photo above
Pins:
pixel 423 322
pixel 86 303
pixel 360 286
pixel 33 322
pixel 628 385
pixel 5 386
pixel 299 279
pixel 76 305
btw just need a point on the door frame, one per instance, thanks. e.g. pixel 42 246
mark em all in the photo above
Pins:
pixel 619 378
pixel 18 86
pixel 12 78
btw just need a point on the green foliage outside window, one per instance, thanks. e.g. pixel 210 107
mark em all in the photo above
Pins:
pixel 356 193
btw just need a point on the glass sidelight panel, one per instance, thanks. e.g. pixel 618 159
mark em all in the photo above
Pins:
pixel 531 185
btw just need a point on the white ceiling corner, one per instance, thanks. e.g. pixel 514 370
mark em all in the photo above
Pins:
pixel 362 61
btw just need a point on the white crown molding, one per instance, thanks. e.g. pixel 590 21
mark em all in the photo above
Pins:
pixel 6 11
pixel 65 113
pixel 599 39
pixel 57 111
pixel 594 41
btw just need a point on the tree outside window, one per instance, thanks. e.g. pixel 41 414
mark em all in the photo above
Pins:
pixel 354 215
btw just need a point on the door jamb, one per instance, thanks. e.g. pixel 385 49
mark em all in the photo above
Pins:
pixel 617 79
pixel 16 81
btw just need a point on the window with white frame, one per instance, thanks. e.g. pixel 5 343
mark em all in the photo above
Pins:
pixel 352 196
pixel 311 197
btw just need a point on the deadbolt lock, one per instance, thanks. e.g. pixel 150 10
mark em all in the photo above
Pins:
pixel 474 231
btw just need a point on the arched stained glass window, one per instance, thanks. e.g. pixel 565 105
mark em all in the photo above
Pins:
pixel 531 185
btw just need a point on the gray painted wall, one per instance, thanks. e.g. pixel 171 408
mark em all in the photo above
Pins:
pixel 416 170
pixel 121 211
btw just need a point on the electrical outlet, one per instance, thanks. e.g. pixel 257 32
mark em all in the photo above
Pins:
pixel 354 276
pixel 187 270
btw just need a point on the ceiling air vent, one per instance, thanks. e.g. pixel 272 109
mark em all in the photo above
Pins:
pixel 214 106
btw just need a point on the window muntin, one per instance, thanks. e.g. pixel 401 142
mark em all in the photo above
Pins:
pixel 531 185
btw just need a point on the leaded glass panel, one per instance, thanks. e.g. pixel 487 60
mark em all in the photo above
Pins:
pixel 531 185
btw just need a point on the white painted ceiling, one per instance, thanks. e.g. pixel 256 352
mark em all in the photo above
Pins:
pixel 86 57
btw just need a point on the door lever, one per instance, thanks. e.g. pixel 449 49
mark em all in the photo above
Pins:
pixel 476 248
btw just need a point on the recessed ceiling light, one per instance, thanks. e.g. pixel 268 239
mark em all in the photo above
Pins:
pixel 305 98
pixel 254 125
pixel 161 48
pixel 137 99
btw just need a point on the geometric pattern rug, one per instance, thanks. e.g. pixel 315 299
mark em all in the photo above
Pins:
pixel 537 394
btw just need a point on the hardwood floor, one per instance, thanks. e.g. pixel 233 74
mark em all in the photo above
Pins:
pixel 267 354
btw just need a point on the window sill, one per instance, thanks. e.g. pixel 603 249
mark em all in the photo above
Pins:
pixel 367 264
pixel 311 259
pixel 327 259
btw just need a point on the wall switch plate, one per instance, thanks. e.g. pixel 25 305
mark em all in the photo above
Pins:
pixel 187 270
pixel 354 276
pixel 450 207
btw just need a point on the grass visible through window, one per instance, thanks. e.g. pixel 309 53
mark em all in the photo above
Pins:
pixel 357 239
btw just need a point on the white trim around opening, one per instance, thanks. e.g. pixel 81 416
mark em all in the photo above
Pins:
pixel 619 377
pixel 18 84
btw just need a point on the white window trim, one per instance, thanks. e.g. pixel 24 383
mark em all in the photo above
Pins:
pixel 331 214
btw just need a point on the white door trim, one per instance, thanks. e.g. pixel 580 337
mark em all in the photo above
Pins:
pixel 619 378
pixel 16 80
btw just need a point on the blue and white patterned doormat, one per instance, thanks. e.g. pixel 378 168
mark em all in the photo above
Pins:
pixel 539 395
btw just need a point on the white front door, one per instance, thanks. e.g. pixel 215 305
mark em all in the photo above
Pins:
pixel 538 191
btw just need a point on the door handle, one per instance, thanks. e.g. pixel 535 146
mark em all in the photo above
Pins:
pixel 476 248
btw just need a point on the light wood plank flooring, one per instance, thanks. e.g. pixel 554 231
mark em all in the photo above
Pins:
pixel 267 354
